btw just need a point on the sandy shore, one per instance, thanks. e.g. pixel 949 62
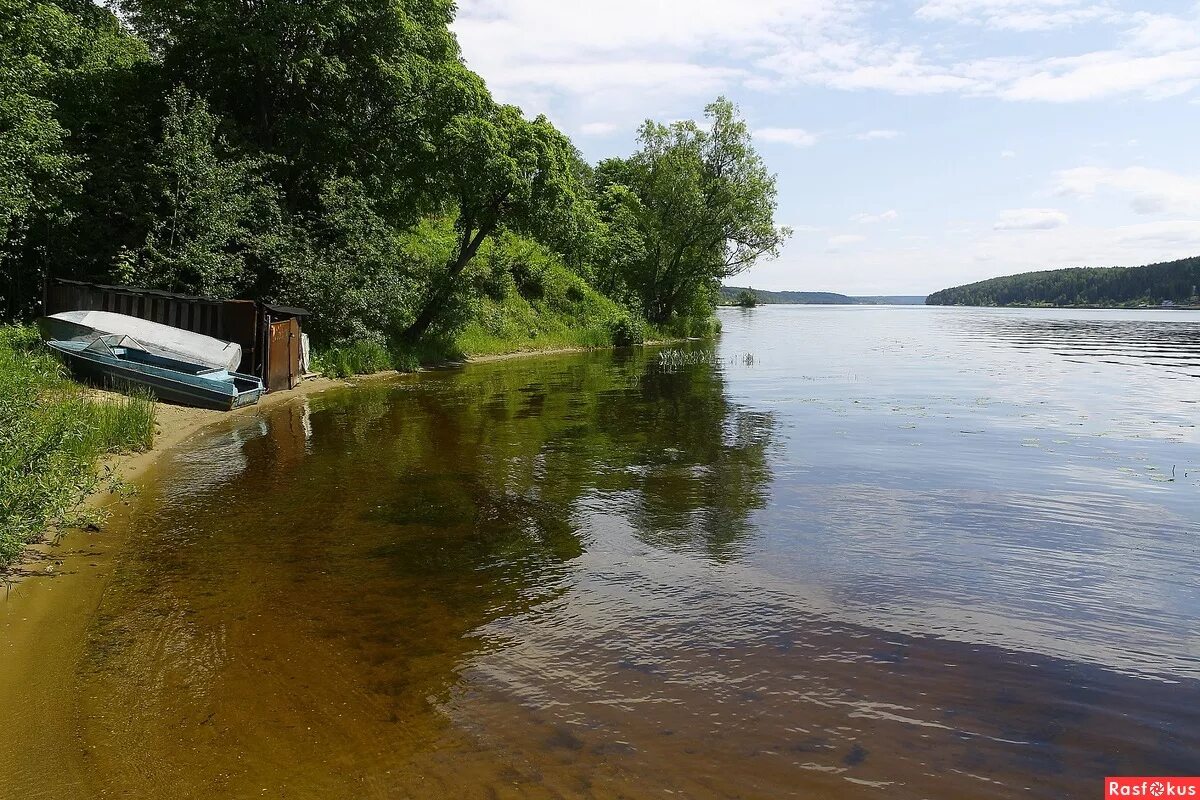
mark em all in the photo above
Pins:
pixel 173 425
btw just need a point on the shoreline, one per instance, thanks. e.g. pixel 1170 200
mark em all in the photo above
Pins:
pixel 175 424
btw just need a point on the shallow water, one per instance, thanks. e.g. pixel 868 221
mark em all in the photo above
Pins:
pixel 846 552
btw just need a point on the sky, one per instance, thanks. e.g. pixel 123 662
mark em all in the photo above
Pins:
pixel 918 144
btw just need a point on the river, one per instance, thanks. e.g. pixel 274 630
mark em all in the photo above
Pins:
pixel 842 552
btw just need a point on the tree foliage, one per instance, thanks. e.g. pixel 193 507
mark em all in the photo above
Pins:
pixel 210 208
pixel 335 88
pixel 702 203
pixel 499 170
pixel 339 155
pixel 48 52
pixel 746 299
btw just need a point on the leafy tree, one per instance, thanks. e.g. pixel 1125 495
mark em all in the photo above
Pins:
pixel 36 169
pixel 501 171
pixel 355 272
pixel 705 210
pixel 336 88
pixel 71 122
pixel 212 204
pixel 338 154
pixel 746 299
pixel 622 248
pixel 112 101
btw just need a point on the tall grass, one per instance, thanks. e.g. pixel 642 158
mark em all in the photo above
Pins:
pixel 52 432
pixel 697 327
pixel 528 302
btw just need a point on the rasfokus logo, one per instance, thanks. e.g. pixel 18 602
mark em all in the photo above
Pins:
pixel 1151 787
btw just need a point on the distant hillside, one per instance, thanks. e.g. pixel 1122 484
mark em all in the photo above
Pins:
pixel 819 298
pixel 1173 282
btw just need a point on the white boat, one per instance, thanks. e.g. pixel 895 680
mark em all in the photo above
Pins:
pixel 123 362
pixel 162 339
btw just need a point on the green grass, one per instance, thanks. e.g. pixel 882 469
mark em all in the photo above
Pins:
pixel 561 311
pixel 52 432
pixel 686 328
pixel 360 358
pixel 527 301
pixel 552 310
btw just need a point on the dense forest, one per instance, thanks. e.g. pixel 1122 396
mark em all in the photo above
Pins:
pixel 340 156
pixel 1175 282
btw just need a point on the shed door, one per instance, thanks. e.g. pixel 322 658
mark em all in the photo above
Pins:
pixel 283 357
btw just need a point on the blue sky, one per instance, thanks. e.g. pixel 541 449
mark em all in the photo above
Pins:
pixel 919 144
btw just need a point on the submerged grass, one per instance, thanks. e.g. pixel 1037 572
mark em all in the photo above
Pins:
pixel 52 432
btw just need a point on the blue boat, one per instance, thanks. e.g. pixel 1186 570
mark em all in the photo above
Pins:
pixel 123 362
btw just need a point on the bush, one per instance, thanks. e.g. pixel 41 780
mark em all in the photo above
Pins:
pixel 369 356
pixel 358 358
pixel 688 327
pixel 627 330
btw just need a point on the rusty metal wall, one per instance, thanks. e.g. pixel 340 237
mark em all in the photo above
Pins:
pixel 192 313
pixel 231 320
pixel 283 356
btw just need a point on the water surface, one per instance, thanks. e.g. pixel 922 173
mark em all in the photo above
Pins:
pixel 845 552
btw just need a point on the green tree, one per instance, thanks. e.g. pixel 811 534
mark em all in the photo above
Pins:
pixel 746 299
pixel 74 84
pixel 501 170
pixel 705 210
pixel 622 249
pixel 337 88
pixel 37 170
pixel 212 206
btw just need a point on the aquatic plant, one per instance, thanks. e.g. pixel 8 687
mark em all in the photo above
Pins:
pixel 676 358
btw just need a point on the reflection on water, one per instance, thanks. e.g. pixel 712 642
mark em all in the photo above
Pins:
pixel 1167 339
pixel 899 552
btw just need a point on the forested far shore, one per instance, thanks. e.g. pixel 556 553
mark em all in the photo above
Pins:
pixel 735 295
pixel 341 157
pixel 1173 283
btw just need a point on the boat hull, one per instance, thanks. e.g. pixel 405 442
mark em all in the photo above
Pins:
pixel 193 385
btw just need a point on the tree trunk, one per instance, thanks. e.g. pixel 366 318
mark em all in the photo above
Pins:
pixel 437 298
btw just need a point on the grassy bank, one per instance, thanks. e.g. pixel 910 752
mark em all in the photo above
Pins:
pixel 52 433
pixel 527 304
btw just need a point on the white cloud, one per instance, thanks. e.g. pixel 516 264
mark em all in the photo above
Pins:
pixel 1016 15
pixel 1168 233
pixel 842 240
pixel 597 128
pixel 869 136
pixel 1030 219
pixel 886 216
pixel 796 137
pixel 1164 32
pixel 859 64
pixel 1105 74
pixel 626 59
pixel 1008 153
pixel 1150 191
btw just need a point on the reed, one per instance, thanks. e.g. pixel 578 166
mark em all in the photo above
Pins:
pixel 52 433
